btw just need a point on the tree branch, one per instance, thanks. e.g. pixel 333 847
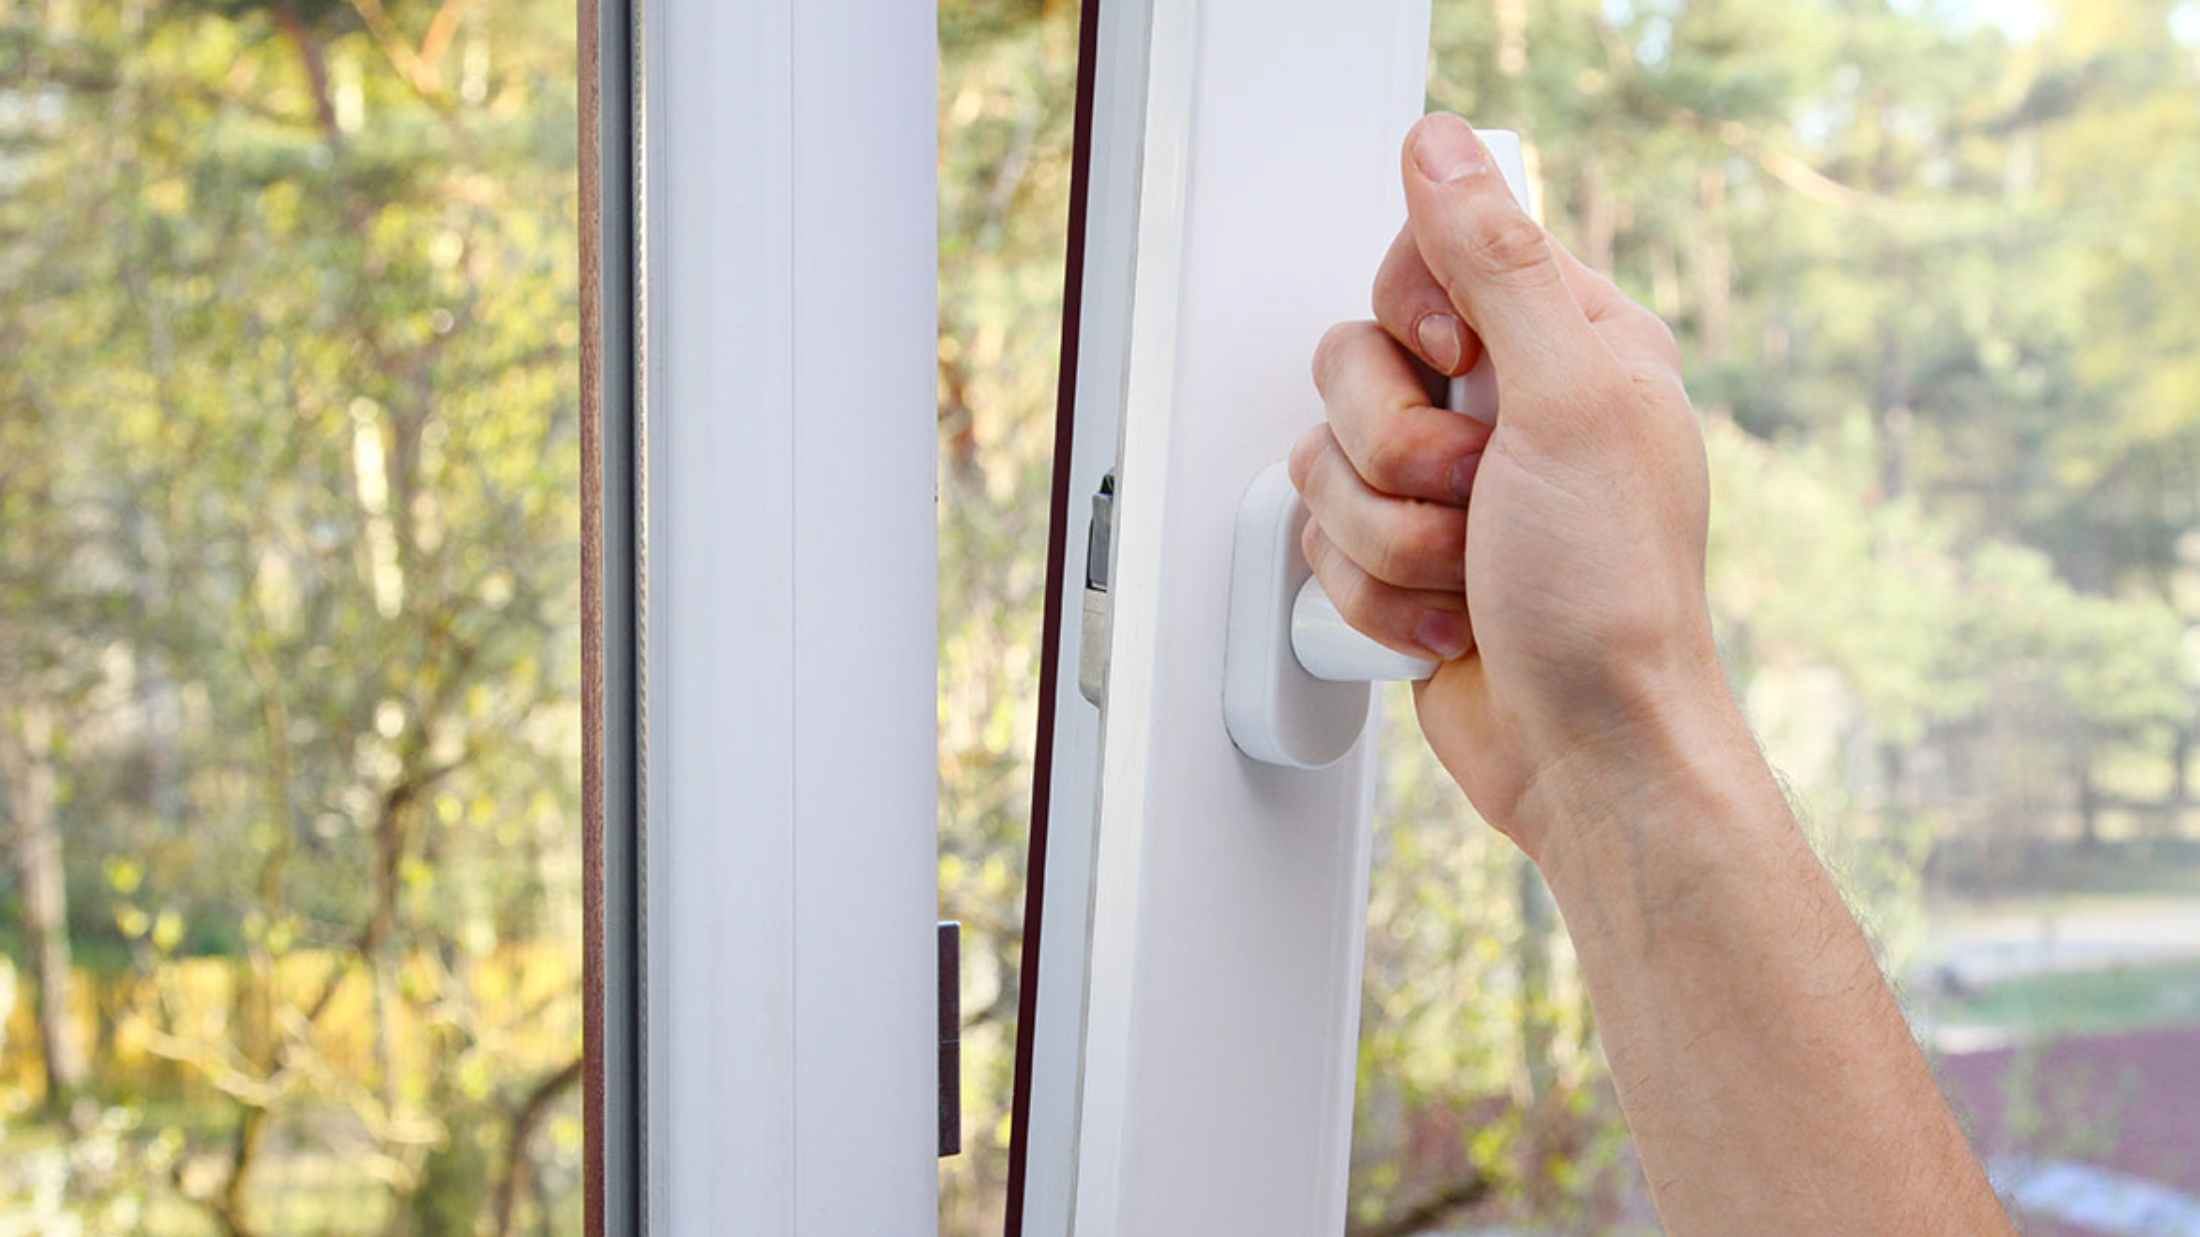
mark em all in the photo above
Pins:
pixel 416 66
pixel 1425 1214
pixel 525 1119
pixel 309 54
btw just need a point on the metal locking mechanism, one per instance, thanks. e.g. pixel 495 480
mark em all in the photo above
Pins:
pixel 1092 646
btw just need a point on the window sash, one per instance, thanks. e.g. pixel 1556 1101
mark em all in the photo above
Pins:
pixel 1229 898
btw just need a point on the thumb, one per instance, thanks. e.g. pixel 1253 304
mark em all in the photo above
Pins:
pixel 1497 264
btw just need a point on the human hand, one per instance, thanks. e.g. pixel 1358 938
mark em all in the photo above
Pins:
pixel 1554 562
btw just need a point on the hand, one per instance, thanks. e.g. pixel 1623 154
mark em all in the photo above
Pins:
pixel 1555 562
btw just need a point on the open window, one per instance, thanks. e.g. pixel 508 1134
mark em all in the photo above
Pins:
pixel 1194 1052
pixel 1310 1001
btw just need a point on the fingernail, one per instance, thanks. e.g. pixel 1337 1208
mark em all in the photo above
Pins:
pixel 1462 476
pixel 1443 633
pixel 1440 343
pixel 1446 148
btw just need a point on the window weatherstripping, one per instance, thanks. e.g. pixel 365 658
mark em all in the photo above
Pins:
pixel 788 674
pixel 1228 897
pixel 610 561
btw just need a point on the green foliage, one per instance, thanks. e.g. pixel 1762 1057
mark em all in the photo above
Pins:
pixel 292 563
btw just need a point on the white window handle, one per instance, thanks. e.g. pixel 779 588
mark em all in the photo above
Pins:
pixel 1296 675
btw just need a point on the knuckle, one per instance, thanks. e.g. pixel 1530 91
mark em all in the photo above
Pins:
pixel 1431 542
pixel 1389 286
pixel 1391 453
pixel 1505 245
pixel 1305 454
pixel 1599 296
pixel 1396 558
pixel 1313 545
pixel 1402 289
pixel 1660 334
pixel 1330 353
pixel 1359 604
pixel 1665 398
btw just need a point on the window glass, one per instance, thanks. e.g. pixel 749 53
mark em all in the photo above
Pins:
pixel 289 738
pixel 1007 97
pixel 1933 267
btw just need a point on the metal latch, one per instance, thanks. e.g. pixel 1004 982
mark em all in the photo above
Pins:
pixel 1092 646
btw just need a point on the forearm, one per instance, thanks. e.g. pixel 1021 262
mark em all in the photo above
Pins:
pixel 1768 1078
pixel 1770 1082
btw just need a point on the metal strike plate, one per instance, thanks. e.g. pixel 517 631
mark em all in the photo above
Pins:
pixel 1092 645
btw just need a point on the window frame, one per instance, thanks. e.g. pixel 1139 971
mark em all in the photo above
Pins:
pixel 1097 284
pixel 1228 904
pixel 760 598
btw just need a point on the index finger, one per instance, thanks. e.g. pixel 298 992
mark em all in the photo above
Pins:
pixel 1398 442
pixel 1419 314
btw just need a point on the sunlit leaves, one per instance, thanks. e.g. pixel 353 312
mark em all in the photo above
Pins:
pixel 303 400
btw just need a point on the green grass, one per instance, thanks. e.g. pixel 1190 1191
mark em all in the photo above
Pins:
pixel 2120 998
pixel 2160 866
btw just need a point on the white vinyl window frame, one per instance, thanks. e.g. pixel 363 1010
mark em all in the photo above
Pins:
pixel 767 1004
pixel 1111 219
pixel 789 283
pixel 763 623
pixel 1220 1000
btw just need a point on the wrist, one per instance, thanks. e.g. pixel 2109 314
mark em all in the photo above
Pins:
pixel 1678 758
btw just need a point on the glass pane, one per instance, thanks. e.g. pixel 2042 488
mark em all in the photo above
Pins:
pixel 289 752
pixel 1007 100
pixel 1933 267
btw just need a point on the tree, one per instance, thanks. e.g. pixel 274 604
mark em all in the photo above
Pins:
pixel 296 288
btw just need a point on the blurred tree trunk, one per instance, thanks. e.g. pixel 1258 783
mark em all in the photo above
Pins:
pixel 1538 1032
pixel 158 707
pixel 2089 800
pixel 1892 421
pixel 1599 216
pixel 1894 781
pixel 1666 298
pixel 1534 961
pixel 2180 775
pixel 228 1205
pixel 1711 262
pixel 26 765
